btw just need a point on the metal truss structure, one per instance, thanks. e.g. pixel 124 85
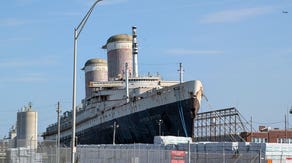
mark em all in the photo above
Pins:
pixel 220 125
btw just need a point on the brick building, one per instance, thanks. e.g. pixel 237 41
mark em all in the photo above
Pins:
pixel 268 135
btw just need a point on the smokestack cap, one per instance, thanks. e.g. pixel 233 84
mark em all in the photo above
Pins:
pixel 94 61
pixel 120 37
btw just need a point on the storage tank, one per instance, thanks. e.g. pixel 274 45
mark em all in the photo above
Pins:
pixel 95 71
pixel 119 52
pixel 27 128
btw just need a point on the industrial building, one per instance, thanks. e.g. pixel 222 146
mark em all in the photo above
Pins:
pixel 268 135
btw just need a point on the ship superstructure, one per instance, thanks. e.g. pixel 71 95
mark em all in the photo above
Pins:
pixel 140 106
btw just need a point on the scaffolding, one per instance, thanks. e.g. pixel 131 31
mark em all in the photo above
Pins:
pixel 220 125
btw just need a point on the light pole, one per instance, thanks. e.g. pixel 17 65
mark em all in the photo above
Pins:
pixel 160 122
pixel 115 126
pixel 77 32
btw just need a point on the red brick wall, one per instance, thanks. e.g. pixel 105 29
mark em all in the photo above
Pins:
pixel 271 136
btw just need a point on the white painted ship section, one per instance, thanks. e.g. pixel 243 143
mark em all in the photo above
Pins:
pixel 95 68
pixel 119 45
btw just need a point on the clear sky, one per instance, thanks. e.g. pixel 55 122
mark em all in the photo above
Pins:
pixel 240 50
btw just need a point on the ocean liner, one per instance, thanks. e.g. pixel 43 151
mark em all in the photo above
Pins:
pixel 124 107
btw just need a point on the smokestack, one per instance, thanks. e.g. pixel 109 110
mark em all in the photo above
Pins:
pixel 135 52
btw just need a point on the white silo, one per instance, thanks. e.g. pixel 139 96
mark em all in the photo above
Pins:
pixel 95 71
pixel 27 128
pixel 119 52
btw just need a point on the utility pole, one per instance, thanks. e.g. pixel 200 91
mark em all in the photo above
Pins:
pixel 288 119
pixel 58 137
pixel 251 134
pixel 285 128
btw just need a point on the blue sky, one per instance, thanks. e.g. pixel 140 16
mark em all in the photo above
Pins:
pixel 240 50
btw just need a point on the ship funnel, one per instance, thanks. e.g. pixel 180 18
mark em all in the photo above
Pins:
pixel 119 52
pixel 135 52
pixel 95 71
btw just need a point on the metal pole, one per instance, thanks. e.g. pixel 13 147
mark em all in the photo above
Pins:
pixel 114 134
pixel 73 148
pixel 159 125
pixel 115 126
pixel 58 138
pixel 285 129
pixel 181 71
pixel 251 134
pixel 260 155
pixel 223 158
pixel 77 31
pixel 288 119
pixel 127 82
pixel 189 152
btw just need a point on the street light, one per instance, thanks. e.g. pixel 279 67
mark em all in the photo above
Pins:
pixel 115 126
pixel 160 122
pixel 77 32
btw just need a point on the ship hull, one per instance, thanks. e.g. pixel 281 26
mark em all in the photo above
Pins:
pixel 141 127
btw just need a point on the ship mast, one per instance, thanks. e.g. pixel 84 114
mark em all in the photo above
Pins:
pixel 181 71
pixel 127 82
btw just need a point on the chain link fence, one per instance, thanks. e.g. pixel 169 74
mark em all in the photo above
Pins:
pixel 38 152
pixel 140 153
